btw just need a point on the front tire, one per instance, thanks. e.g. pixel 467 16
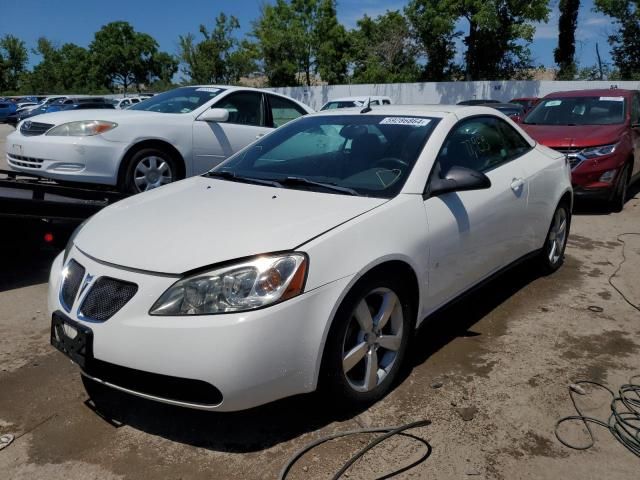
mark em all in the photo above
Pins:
pixel 620 193
pixel 552 255
pixel 147 169
pixel 368 340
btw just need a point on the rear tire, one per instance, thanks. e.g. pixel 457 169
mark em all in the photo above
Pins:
pixel 147 169
pixel 551 257
pixel 620 194
pixel 367 342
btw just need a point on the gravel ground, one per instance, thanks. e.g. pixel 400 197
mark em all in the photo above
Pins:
pixel 504 357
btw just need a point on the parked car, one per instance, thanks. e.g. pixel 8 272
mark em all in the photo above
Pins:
pixel 121 103
pixel 6 109
pixel 350 102
pixel 176 134
pixel 599 131
pixel 511 110
pixel 527 102
pixel 233 289
pixel 477 101
pixel 57 105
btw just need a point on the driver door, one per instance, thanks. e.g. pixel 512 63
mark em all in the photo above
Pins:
pixel 214 142
pixel 472 234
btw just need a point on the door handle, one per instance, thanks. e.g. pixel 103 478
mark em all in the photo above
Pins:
pixel 517 184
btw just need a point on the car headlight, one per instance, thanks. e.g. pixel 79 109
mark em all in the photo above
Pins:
pixel 239 287
pixel 83 128
pixel 599 151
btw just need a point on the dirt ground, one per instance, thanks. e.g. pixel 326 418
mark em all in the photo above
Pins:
pixel 504 357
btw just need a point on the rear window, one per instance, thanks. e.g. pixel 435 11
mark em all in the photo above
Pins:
pixel 592 110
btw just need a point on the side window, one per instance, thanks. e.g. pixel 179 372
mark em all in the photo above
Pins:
pixel 481 144
pixel 283 110
pixel 514 143
pixel 244 108
pixel 635 109
pixel 386 102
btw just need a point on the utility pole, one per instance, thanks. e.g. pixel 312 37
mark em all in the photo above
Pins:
pixel 599 62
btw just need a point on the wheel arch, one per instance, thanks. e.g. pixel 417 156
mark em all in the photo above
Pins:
pixel 383 266
pixel 152 143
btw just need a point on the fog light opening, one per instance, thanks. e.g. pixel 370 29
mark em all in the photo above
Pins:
pixel 608 176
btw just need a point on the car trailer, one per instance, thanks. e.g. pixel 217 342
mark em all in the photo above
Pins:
pixel 39 210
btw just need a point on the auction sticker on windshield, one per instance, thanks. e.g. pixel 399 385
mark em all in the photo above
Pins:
pixel 612 99
pixel 553 103
pixel 413 121
pixel 207 89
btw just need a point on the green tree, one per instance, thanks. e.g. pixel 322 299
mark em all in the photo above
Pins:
pixel 13 62
pixel 625 41
pixel 122 56
pixel 383 50
pixel 565 52
pixel 301 38
pixel 499 34
pixel 433 27
pixel 219 57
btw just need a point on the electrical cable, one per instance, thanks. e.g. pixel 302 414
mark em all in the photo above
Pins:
pixel 624 425
pixel 388 432
pixel 624 259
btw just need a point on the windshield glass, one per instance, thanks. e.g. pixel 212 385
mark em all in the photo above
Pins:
pixel 370 154
pixel 180 100
pixel 578 111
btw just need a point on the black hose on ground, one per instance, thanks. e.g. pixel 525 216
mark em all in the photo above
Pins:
pixel 388 432
pixel 623 423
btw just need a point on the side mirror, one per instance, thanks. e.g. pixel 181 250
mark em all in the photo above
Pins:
pixel 214 115
pixel 459 179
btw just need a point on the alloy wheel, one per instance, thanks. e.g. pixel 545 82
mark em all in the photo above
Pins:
pixel 557 236
pixel 152 172
pixel 372 339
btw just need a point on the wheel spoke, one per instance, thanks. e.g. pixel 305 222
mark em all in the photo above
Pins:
pixel 390 342
pixel 140 181
pixel 371 375
pixel 552 254
pixel 354 356
pixel 562 226
pixel 153 162
pixel 363 316
pixel 163 167
pixel 164 180
pixel 386 309
pixel 142 168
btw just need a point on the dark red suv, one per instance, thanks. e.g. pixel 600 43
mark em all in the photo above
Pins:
pixel 599 130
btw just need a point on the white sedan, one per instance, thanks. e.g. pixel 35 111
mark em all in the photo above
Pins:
pixel 308 258
pixel 177 134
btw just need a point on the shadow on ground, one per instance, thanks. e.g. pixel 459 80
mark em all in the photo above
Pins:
pixel 278 422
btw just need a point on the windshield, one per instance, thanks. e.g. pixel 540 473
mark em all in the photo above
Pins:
pixel 180 100
pixel 578 111
pixel 369 155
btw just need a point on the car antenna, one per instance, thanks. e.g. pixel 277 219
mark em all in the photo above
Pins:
pixel 367 107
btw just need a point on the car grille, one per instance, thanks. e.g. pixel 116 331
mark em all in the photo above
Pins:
pixel 30 129
pixel 106 297
pixel 71 284
pixel 21 161
pixel 572 155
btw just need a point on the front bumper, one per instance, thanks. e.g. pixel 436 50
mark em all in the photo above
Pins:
pixel 76 159
pixel 252 358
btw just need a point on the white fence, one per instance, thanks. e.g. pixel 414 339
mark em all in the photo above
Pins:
pixel 445 92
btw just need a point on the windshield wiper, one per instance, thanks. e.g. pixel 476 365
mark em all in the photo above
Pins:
pixel 227 175
pixel 305 181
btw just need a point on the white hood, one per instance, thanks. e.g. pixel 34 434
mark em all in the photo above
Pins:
pixel 202 221
pixel 106 114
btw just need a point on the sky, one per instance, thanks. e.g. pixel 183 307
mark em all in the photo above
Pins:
pixel 77 20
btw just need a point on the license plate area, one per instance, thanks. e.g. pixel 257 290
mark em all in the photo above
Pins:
pixel 72 339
